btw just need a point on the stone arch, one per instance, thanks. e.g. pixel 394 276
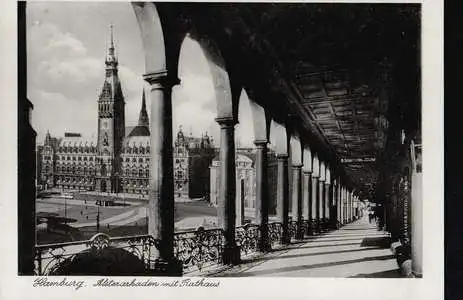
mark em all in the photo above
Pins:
pixel 296 150
pixel 322 171
pixel 278 138
pixel 152 35
pixel 307 161
pixel 260 120
pixel 227 94
pixel 315 166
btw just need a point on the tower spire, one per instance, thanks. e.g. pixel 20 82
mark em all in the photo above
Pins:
pixel 111 27
pixel 143 117
pixel 111 60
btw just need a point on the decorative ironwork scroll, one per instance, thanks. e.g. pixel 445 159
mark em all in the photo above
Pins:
pixel 49 257
pixel 198 248
pixel 275 232
pixel 247 237
pixel 293 229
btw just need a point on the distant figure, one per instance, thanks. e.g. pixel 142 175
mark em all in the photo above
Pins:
pixel 370 216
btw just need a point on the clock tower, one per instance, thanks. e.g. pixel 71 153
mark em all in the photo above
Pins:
pixel 111 126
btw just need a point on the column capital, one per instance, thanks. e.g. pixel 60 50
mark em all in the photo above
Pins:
pixel 296 166
pixel 260 143
pixel 307 173
pixel 225 122
pixel 282 156
pixel 161 79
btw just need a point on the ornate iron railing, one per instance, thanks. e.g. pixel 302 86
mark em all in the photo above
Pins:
pixel 275 232
pixel 247 237
pixel 199 248
pixel 306 227
pixel 293 229
pixel 49 257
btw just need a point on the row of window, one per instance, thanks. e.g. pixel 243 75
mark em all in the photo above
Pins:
pixel 75 149
pixel 90 158
pixel 136 150
pixel 134 159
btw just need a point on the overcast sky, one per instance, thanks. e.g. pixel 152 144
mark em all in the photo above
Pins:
pixel 67 43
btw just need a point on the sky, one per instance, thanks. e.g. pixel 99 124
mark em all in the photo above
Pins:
pixel 66 47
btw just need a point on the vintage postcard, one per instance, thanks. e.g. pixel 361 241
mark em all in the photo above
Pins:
pixel 226 149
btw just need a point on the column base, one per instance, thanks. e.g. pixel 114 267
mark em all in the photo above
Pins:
pixel 300 230
pixel 264 246
pixel 172 267
pixel 231 255
pixel 286 240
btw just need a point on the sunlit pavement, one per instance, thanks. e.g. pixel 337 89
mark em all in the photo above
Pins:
pixel 356 250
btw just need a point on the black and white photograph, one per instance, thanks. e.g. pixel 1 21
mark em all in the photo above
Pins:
pixel 212 140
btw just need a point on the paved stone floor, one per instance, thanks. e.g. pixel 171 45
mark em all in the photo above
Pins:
pixel 356 250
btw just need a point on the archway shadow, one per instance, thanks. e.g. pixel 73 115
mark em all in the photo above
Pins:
pixel 307 267
pixel 263 259
pixel 384 274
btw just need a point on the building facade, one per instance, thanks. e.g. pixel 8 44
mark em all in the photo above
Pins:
pixel 117 161
pixel 245 181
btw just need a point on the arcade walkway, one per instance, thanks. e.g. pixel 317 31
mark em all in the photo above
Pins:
pixel 356 250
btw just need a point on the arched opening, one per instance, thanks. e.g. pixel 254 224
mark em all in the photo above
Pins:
pixel 245 165
pixel 196 134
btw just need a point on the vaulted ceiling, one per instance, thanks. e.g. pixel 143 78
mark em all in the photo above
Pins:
pixel 348 72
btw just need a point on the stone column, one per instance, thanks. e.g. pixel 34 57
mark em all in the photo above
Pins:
pixel 417 213
pixel 321 203
pixel 227 191
pixel 283 196
pixel 343 206
pixel 306 200
pixel 297 201
pixel 161 188
pixel 328 198
pixel 348 207
pixel 262 199
pixel 27 160
pixel 339 205
pixel 314 205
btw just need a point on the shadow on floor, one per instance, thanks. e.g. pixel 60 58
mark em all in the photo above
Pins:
pixel 263 259
pixel 381 242
pixel 384 274
pixel 306 267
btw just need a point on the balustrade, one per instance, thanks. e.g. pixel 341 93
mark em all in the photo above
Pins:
pixel 199 248
pixel 247 238
pixel 50 257
pixel 196 249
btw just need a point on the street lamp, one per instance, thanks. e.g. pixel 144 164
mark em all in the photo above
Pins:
pixel 98 219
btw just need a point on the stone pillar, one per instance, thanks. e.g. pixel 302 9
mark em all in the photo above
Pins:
pixel 239 206
pixel 314 205
pixel 262 199
pixel 161 188
pixel 328 198
pixel 417 213
pixel 343 205
pixel 27 159
pixel 227 195
pixel 306 200
pixel 297 201
pixel 283 196
pixel 321 203
pixel 351 206
pixel 338 204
